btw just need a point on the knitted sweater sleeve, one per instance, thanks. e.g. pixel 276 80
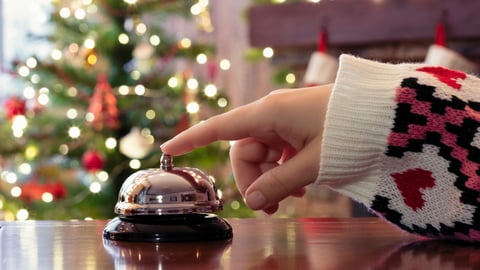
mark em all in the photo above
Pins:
pixel 405 141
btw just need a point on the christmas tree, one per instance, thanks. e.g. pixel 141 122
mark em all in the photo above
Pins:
pixel 117 84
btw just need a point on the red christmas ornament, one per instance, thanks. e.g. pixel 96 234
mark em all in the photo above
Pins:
pixel 103 105
pixel 58 190
pixel 34 190
pixel 92 161
pixel 15 106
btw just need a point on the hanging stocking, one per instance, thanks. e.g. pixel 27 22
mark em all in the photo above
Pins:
pixel 439 55
pixel 440 39
pixel 103 105
pixel 322 67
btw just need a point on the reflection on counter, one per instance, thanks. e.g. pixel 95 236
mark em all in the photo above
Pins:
pixel 180 255
pixel 433 254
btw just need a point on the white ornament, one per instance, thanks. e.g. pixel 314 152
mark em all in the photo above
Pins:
pixel 134 144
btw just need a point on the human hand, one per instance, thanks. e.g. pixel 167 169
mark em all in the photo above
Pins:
pixel 277 152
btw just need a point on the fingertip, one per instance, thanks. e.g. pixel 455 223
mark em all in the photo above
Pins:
pixel 176 146
pixel 165 148
pixel 255 200
pixel 271 209
pixel 162 146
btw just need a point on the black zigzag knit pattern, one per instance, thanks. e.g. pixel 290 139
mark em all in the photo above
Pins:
pixel 464 134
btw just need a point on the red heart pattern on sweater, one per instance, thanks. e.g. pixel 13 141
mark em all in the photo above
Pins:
pixel 446 76
pixel 411 184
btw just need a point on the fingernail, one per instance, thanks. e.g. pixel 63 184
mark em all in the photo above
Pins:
pixel 163 145
pixel 255 200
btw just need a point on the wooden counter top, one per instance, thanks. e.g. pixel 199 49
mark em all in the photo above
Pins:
pixel 263 243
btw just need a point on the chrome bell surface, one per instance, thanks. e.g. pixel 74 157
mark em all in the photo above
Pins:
pixel 168 204
pixel 168 190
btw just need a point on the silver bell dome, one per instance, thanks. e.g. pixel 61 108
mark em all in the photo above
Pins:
pixel 167 190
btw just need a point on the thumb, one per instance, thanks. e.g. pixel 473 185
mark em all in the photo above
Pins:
pixel 278 183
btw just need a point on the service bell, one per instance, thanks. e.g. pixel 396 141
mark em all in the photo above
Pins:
pixel 168 204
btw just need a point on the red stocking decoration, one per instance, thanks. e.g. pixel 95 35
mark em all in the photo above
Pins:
pixel 440 38
pixel 439 54
pixel 322 41
pixel 322 67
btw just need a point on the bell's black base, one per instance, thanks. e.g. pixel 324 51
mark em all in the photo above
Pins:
pixel 167 228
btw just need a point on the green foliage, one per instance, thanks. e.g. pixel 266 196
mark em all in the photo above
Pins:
pixel 277 2
pixel 280 75
pixel 253 54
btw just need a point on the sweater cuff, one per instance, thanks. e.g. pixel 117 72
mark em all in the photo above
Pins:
pixel 359 119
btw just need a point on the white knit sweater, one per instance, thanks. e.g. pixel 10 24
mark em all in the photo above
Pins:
pixel 405 141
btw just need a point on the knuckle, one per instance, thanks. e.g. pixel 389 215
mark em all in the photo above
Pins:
pixel 233 152
pixel 275 102
pixel 237 149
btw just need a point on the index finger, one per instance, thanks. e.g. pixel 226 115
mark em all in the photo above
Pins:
pixel 233 125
